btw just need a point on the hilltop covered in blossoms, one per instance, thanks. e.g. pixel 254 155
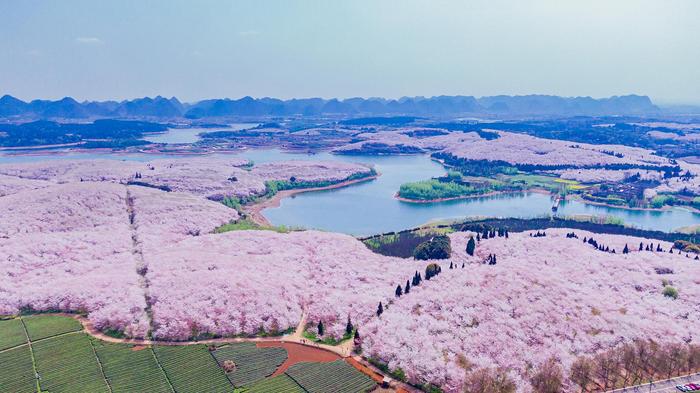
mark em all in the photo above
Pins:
pixel 73 234
pixel 525 149
pixel 213 178
pixel 549 296
pixel 245 282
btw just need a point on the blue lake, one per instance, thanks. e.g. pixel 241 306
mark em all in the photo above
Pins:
pixel 369 207
pixel 191 135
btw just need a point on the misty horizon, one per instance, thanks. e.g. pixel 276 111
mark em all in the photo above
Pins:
pixel 123 50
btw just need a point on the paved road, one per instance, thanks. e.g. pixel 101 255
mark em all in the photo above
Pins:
pixel 667 386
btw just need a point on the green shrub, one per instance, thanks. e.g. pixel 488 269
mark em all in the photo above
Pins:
pixel 661 200
pixel 686 246
pixel 436 248
pixel 671 292
pixel 399 374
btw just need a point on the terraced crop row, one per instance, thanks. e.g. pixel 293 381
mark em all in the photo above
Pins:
pixel 279 384
pixel 337 377
pixel 68 364
pixel 11 333
pixel 71 361
pixel 44 326
pixel 16 371
pixel 191 368
pixel 251 363
pixel 131 369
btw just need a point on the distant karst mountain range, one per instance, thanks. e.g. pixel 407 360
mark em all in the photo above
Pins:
pixel 172 108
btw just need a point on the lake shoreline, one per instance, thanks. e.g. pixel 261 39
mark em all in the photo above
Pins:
pixel 254 212
pixel 665 208
pixel 545 192
pixel 485 195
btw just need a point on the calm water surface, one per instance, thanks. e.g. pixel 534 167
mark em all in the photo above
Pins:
pixel 191 135
pixel 369 208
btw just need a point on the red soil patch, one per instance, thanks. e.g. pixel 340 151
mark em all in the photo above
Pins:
pixel 376 377
pixel 297 353
pixel 138 347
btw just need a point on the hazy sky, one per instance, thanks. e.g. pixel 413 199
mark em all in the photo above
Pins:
pixel 203 49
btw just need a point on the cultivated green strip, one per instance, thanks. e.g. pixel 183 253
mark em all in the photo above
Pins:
pixel 40 327
pixel 11 334
pixel 31 352
pixel 16 371
pixel 99 363
pixel 160 366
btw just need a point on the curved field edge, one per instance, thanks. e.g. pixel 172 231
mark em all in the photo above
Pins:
pixel 74 361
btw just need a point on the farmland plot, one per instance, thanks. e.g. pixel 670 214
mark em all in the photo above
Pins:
pixel 192 369
pixel 68 364
pixel 11 333
pixel 130 369
pixel 43 326
pixel 337 377
pixel 251 363
pixel 279 384
pixel 16 371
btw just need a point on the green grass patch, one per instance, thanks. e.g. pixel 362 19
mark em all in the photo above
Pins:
pixel 16 370
pixel 191 368
pixel 129 370
pixel 11 333
pixel 549 183
pixel 336 377
pixel 328 340
pixel 43 326
pixel 596 219
pixel 251 363
pixel 247 225
pixel 279 384
pixel 68 364
pixel 274 186
pixel 426 190
pixel 662 200
pixel 610 199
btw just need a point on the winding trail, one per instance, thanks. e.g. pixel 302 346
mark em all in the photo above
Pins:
pixel 141 265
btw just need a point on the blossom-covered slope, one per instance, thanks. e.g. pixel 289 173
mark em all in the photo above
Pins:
pixel 75 237
pixel 526 149
pixel 546 296
pixel 68 247
pixel 209 177
pixel 73 247
pixel 11 184
pixel 246 281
